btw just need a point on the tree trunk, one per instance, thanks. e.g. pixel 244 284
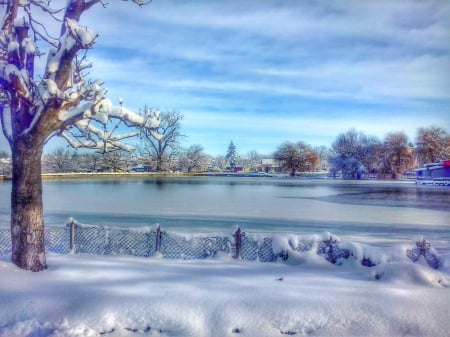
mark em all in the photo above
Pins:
pixel 159 163
pixel 27 222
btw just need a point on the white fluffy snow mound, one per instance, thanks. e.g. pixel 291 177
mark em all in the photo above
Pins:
pixel 85 295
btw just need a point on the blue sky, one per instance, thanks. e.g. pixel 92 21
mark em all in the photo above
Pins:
pixel 264 72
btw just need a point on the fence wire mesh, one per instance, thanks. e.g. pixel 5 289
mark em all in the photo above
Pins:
pixel 178 246
pixel 5 241
pixel 129 242
pixel 146 242
pixel 302 245
pixel 57 240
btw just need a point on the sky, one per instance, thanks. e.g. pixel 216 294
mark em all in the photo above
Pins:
pixel 260 73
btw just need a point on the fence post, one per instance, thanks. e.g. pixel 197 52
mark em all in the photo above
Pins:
pixel 72 236
pixel 238 243
pixel 158 238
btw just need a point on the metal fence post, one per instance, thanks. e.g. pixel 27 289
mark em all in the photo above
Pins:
pixel 72 236
pixel 158 238
pixel 237 242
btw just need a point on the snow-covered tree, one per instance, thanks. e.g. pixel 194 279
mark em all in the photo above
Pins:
pixel 5 163
pixel 397 155
pixel 193 159
pixel 57 101
pixel 232 155
pixel 322 158
pixel 163 149
pixel 252 159
pixel 59 161
pixel 296 157
pixel 353 153
pixel 432 145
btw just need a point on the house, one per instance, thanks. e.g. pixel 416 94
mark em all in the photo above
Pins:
pixel 434 173
pixel 269 165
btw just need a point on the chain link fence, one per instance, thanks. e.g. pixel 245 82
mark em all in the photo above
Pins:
pixel 5 241
pixel 145 242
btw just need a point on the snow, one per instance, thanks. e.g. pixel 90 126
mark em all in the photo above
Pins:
pixel 83 35
pixel 13 46
pixel 52 61
pixel 20 22
pixel 29 46
pixel 88 295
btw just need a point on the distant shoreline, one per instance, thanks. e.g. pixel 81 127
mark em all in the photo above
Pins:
pixel 124 175
pixel 110 175
pixel 120 175
pixel 59 176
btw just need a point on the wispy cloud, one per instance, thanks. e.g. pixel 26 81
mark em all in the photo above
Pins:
pixel 262 72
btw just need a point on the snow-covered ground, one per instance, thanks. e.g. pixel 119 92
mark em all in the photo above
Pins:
pixel 85 295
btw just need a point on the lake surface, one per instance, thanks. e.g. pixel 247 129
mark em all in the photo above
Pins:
pixel 372 212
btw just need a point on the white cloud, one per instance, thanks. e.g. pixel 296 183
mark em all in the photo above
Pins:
pixel 265 133
pixel 267 71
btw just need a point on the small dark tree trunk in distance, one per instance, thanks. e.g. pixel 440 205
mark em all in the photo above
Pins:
pixel 27 222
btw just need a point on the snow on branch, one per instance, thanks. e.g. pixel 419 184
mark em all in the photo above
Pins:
pixel 82 35
pixel 84 134
pixel 140 2
pixel 61 101
pixel 86 125
pixel 5 116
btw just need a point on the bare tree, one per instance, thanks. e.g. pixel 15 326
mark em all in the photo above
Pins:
pixel 116 161
pixel 5 163
pixel 219 164
pixel 59 161
pixel 252 159
pixel 432 144
pixel 397 154
pixel 193 159
pixel 163 149
pixel 296 157
pixel 322 158
pixel 59 101
pixel 90 162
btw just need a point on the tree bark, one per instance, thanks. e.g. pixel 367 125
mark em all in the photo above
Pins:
pixel 27 222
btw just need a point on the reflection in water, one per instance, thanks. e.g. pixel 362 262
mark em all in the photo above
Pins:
pixel 374 212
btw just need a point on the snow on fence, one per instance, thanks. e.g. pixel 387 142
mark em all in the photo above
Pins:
pixel 148 241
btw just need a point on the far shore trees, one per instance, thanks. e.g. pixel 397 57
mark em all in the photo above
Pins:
pixel 58 101
pixel 432 145
pixel 62 160
pixel 162 150
pixel 5 163
pixel 296 157
pixel 397 154
pixel 193 159
pixel 353 153
pixel 231 155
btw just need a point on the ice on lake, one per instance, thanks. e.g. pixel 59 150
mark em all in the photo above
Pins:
pixel 381 213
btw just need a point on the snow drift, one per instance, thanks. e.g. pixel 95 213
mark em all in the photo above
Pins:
pixel 302 294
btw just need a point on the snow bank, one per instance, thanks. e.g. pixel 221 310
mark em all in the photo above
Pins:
pixel 264 247
pixel 220 284
pixel 88 295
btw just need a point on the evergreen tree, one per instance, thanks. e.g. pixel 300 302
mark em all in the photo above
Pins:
pixel 232 155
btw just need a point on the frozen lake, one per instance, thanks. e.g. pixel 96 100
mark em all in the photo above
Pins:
pixel 377 213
